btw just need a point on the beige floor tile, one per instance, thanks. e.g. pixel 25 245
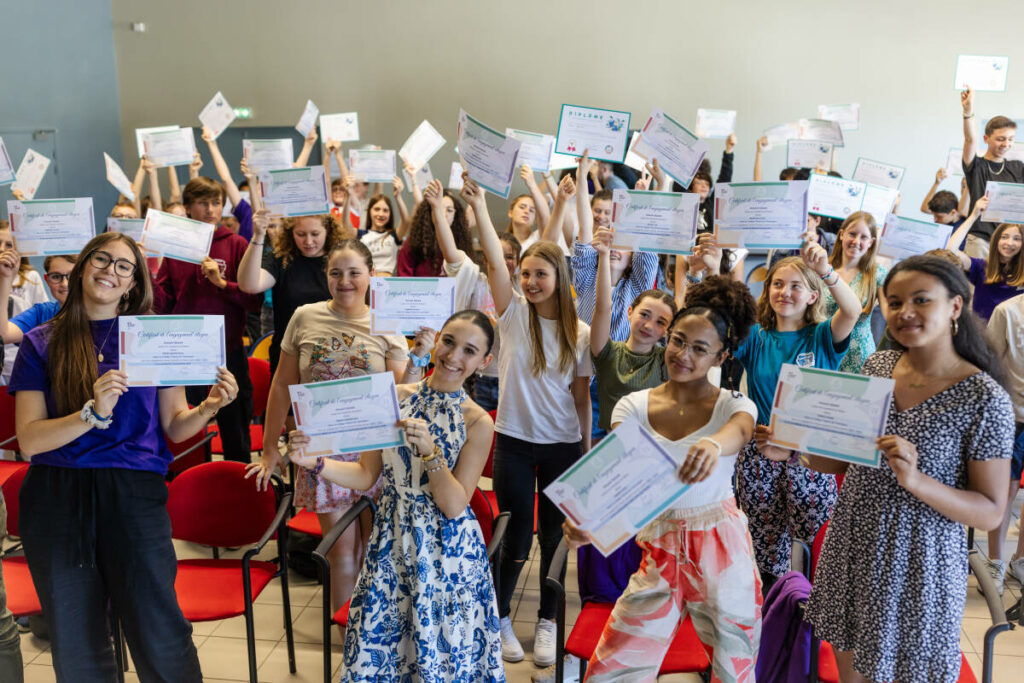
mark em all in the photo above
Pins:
pixel 227 658
pixel 268 623
pixel 1010 643
pixel 309 665
pixel 308 628
pixel 36 673
pixel 32 647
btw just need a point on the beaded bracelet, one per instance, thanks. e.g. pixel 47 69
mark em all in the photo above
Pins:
pixel 319 466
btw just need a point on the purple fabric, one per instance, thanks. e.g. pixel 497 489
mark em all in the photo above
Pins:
pixel 987 297
pixel 243 212
pixel 135 440
pixel 603 579
pixel 785 652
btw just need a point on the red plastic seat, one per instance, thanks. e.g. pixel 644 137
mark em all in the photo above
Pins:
pixel 8 436
pixel 306 522
pixel 259 375
pixel 828 670
pixel 190 452
pixel 22 598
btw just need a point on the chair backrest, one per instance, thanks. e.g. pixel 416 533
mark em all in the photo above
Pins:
pixel 14 474
pixel 259 374
pixel 7 429
pixel 214 504
pixel 261 347
pixel 488 470
pixel 482 509
pixel 196 457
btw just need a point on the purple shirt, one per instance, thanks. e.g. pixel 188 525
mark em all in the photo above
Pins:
pixel 135 440
pixel 987 297
pixel 243 213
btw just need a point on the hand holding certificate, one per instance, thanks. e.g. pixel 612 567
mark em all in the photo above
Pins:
pixel 30 173
pixel 422 145
pixel 422 176
pixel 837 415
pixel 339 127
pixel 903 237
pixel 677 150
pixel 372 165
pixel 401 305
pixel 307 121
pixel 174 147
pixel 490 157
pixel 117 178
pixel 761 215
pixel 601 131
pixel 177 237
pixel 42 227
pixel 217 115
pixel 6 167
pixel 140 135
pixel 1005 203
pixel 661 222
pixel 171 350
pixel 295 191
pixel 347 415
pixel 268 155
pixel 981 72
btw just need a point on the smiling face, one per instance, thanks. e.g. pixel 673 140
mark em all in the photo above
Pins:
pixel 538 279
pixel 1000 141
pixel 122 211
pixel 510 255
pixel 789 294
pixel 693 349
pixel 857 241
pixel 602 209
pixel 380 214
pixel 310 236
pixel 920 308
pixel 348 278
pixel 523 212
pixel 1009 243
pixel 56 278
pixel 106 285
pixel 459 350
pixel 648 321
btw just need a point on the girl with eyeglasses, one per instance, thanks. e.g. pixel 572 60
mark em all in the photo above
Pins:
pixel 25 290
pixel 58 269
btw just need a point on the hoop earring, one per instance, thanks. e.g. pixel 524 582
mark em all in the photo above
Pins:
pixel 887 336
pixel 955 326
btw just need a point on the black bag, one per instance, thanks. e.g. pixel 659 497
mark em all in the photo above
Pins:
pixel 300 554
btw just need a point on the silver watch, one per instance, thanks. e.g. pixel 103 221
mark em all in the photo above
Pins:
pixel 89 416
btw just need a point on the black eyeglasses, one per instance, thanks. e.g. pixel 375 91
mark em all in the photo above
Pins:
pixel 57 278
pixel 122 266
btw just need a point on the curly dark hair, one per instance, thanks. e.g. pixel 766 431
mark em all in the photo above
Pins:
pixel 726 303
pixel 421 239
pixel 284 243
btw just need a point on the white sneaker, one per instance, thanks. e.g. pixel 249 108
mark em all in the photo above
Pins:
pixel 544 643
pixel 997 570
pixel 570 674
pixel 1016 569
pixel 511 649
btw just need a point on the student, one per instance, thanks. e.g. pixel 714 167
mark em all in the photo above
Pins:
pixel 25 290
pixel 58 269
pixel 543 421
pixel 522 220
pixel 211 288
pixel 892 580
pixel 241 210
pixel 331 340
pixel 93 507
pixel 426 580
pixel 379 237
pixel 999 135
pixel 954 210
pixel 1002 275
pixel 782 499
pixel 419 255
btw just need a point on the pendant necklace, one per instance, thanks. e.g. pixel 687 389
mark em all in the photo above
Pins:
pixel 99 351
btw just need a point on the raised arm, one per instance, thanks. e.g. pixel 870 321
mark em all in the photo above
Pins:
pixel 762 145
pixel 155 202
pixel 307 149
pixel 497 274
pixel 661 180
pixel 725 170
pixel 957 238
pixel 964 205
pixel 193 168
pixel 9 261
pixel 222 168
pixel 816 258
pixel 254 184
pixel 970 143
pixel 417 191
pixel 566 190
pixel 434 196
pixel 601 323
pixel 252 279
pixel 583 211
pixel 543 212
pixel 174 196
pixel 140 177
pixel 940 175
pixel 404 219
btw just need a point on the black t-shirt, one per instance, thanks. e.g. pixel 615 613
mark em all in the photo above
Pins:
pixel 978 174
pixel 303 282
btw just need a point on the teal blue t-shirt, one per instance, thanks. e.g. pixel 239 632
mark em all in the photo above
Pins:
pixel 763 352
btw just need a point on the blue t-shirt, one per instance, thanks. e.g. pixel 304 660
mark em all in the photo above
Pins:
pixel 135 440
pixel 36 315
pixel 763 352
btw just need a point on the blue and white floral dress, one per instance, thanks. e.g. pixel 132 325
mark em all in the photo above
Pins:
pixel 424 606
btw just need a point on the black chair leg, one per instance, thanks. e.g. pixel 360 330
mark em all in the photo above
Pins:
pixel 250 642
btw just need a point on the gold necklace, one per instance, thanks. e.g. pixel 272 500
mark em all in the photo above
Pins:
pixel 99 351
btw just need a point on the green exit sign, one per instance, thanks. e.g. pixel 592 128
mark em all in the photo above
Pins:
pixel 243 112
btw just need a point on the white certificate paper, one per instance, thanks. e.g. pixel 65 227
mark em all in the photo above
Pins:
pixel 170 147
pixel 536 150
pixel 348 415
pixel 140 134
pixel 401 305
pixel 217 115
pixel 846 115
pixel 1005 203
pixel 660 222
pixel 117 178
pixel 455 177
pixel 308 119
pixel 177 237
pixel 30 173
pixel 42 227
pixel 981 72
pixel 423 176
pixel 422 145
pixel 600 131
pixel 821 130
pixel 634 160
pixel 128 226
pixel 7 174
pixel 837 415
pixel 340 127
pixel 372 165
pixel 171 350
pixel 715 123
pixel 878 173
pixel 955 161
pixel 835 197
pixel 808 154
pixel 781 134
pixel 678 151
pixel 295 191
pixel 490 157
pixel 619 487
pixel 268 155
pixel 903 237
pixel 769 215
pixel 878 201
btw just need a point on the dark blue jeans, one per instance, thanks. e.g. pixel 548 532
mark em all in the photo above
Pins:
pixel 94 536
pixel 485 392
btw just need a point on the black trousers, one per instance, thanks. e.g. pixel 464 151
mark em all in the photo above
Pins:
pixel 233 419
pixel 94 536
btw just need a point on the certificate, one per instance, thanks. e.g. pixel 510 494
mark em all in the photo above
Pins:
pixel 171 350
pixel 308 119
pixel 339 127
pixel 846 115
pixel 42 227
pixel 268 155
pixel 490 157
pixel 295 191
pixel 422 145
pixel 128 226
pixel 170 147
pixel 660 222
pixel 769 215
pixel 1005 203
pixel 878 201
pixel 217 115
pixel 30 173
pixel 536 149
pixel 455 177
pixel 837 415
pixel 117 178
pixel 177 237
pixel 423 176
pixel 348 415
pixel 715 123
pixel 562 161
pixel 140 134
pixel 955 161
pixel 619 487
pixel 677 150
pixel 600 131
pixel 634 160
pixel 903 237
pixel 372 165
pixel 808 154
pixel 401 305
pixel 981 72
pixel 878 173
pixel 835 197
pixel 7 174
pixel 821 130
pixel 781 134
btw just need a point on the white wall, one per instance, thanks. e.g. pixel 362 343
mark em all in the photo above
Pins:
pixel 512 64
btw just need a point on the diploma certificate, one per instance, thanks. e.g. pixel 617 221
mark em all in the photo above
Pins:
pixel 372 165
pixel 877 173
pixel 170 147
pixel 455 177
pixel 846 115
pixel 30 173
pixel 808 154
pixel 715 123
pixel 536 149
pixel 1005 203
pixel 42 227
pixel 117 178
pixel 423 174
pixel 401 305
pixel 422 145
pixel 821 130
pixel 981 72
pixel 903 237
pixel 339 127
pixel 171 350
pixel 678 151
pixel 835 197
pixel 781 134
pixel 296 191
pixel 490 157
pixel 602 132
pixel 660 222
pixel 217 115
pixel 127 226
pixel 878 201
pixel 619 487
pixel 308 119
pixel 955 162
pixel 177 237
pixel 837 415
pixel 634 160
pixel 7 174
pixel 348 415
pixel 140 134
pixel 268 155
pixel 769 215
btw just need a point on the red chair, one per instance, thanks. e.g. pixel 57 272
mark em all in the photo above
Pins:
pixel 22 599
pixel 8 436
pixel 306 522
pixel 214 504
pixel 259 374
pixel 190 452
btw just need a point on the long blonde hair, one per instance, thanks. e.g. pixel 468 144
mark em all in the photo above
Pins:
pixel 868 264
pixel 1013 272
pixel 815 312
pixel 567 320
